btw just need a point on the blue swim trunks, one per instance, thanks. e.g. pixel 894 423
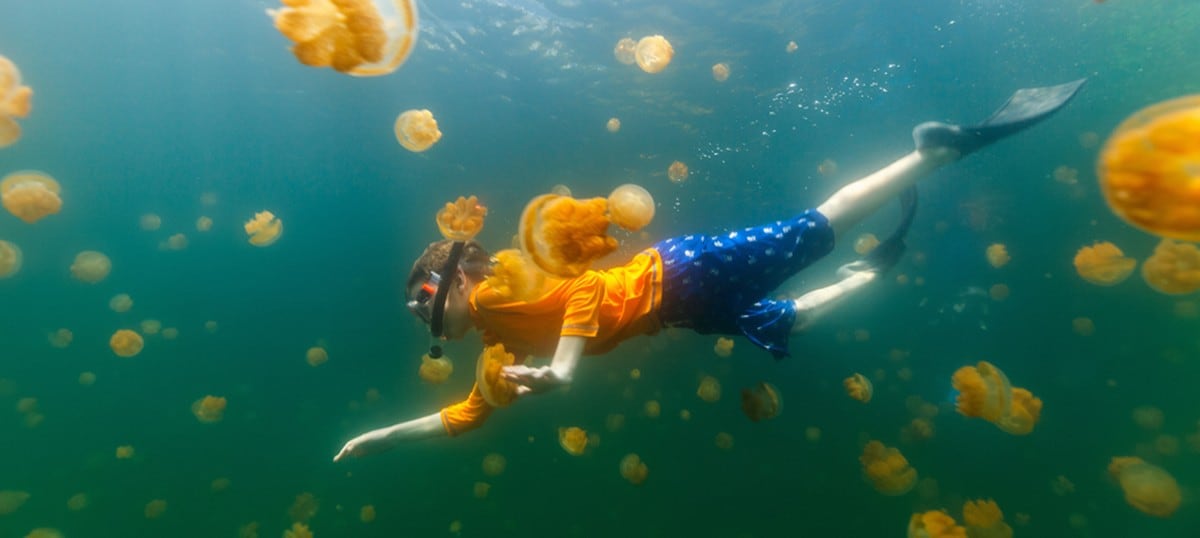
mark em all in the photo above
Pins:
pixel 719 283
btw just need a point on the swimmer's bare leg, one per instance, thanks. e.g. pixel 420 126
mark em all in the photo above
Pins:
pixel 860 199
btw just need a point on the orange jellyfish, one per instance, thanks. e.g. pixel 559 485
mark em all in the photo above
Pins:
pixel 91 267
pixel 984 519
pixel 652 408
pixel 1083 326
pixel 563 236
pixel 724 441
pixel 997 255
pixel 416 130
pixel 87 379
pixel 316 356
pixel 155 509
pixel 626 50
pixel 720 72
pixel 495 390
pixel 461 219
pixel 1147 487
pixel 149 222
pixel 16 101
pixel 126 343
pixel 887 469
pixel 367 513
pixel 11 501
pixel 304 507
pixel 176 242
pixel 934 524
pixel 120 303
pixel 859 387
pixel 435 371
pixel 264 229
pixel 792 47
pixel 653 53
pixel 125 452
pixel 984 391
pixel 209 409
pixel 44 532
pixel 204 224
pixel 357 37
pixel 481 489
pixel 999 292
pixel 709 389
pixel 10 259
pixel 634 469
pixel 78 502
pixel 724 347
pixel 865 243
pixel 515 276
pixel 1103 264
pixel 494 464
pixel 677 172
pixel 631 207
pixel 1148 417
pixel 298 530
pixel 761 402
pixel 1066 175
pixel 30 195
pixel 1148 171
pixel 613 125
pixel 1174 268
pixel 574 440
pixel 151 326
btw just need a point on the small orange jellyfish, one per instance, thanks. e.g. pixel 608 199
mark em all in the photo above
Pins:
pixel 176 242
pixel 573 439
pixel 999 292
pixel 626 51
pixel 1066 175
pixel 934 524
pixel 462 219
pixel 155 509
pixel 1083 326
pixel 149 222
pixel 16 101
pixel 1174 268
pixel 304 508
pixel 653 53
pixel 709 389
pixel 631 207
pixel 495 390
pixel 151 326
pixel 366 514
pixel 614 422
pixel 828 167
pixel 613 125
pixel 298 530
pixel 865 243
pixel 204 224
pixel 358 37
pixel 316 356
pixel 997 255
pixel 125 452
pixel 859 387
pixel 724 347
pixel 416 130
pixel 652 408
pixel 481 489
pixel 91 266
pixel 515 276
pixel 44 532
pixel 10 259
pixel 720 72
pixel 1148 171
pixel 435 371
pixel 264 229
pixel 634 469
pixel 30 195
pixel 1103 264
pixel 1148 417
pixel 87 379
pixel 120 303
pixel 219 484
pixel 494 464
pixel 11 501
pixel 78 502
pixel 792 47
pixel 1147 487
pixel 984 519
pixel 724 441
pixel 677 172
pixel 761 402
pixel 919 429
pixel 887 469
pixel 126 343
pixel 209 409
pixel 984 391
pixel 563 235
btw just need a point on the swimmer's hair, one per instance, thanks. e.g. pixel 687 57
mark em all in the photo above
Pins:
pixel 475 262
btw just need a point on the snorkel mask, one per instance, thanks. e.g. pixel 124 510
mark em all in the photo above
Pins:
pixel 459 222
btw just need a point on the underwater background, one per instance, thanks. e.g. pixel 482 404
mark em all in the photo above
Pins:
pixel 190 109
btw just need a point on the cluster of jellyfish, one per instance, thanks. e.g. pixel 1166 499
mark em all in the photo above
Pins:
pixel 16 101
pixel 363 38
pixel 985 392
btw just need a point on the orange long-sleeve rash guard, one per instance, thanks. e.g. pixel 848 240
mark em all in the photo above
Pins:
pixel 606 307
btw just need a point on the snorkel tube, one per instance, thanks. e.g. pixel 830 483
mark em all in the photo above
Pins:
pixel 459 221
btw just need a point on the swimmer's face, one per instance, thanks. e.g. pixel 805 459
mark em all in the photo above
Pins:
pixel 456 317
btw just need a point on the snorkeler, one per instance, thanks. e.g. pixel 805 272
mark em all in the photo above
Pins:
pixel 711 284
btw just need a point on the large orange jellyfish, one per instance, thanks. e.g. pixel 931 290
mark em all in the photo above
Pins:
pixel 10 259
pixel 15 102
pixel 761 402
pixel 515 276
pixel 997 255
pixel 984 519
pixel 91 266
pixel 634 469
pixel 1148 170
pixel 934 524
pixel 859 387
pixel 887 469
pixel 677 172
pixel 209 409
pixel 461 219
pixel 709 389
pixel 653 53
pixel 1174 268
pixel 574 440
pixel 435 371
pixel 495 390
pixel 631 207
pixel 720 72
pixel 563 235
pixel 1147 487
pixel 126 343
pixel 416 130
pixel 30 195
pixel 984 391
pixel 358 37
pixel 1103 264
pixel 264 229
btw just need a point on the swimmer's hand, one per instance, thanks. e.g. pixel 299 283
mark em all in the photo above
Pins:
pixel 534 380
pixel 367 443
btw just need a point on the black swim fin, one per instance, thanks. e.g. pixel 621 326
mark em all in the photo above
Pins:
pixel 1026 107
pixel 885 255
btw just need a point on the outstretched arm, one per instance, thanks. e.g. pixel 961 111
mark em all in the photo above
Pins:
pixel 385 439
pixel 560 372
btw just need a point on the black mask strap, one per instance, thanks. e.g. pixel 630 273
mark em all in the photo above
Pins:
pixel 450 270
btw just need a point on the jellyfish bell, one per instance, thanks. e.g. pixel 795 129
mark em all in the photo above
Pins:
pixel 677 172
pixel 1147 487
pixel 462 219
pixel 16 101
pixel 91 266
pixel 10 259
pixel 634 469
pixel 563 236
pixel 496 391
pixel 362 38
pixel 761 402
pixel 1173 269
pixel 997 255
pixel 865 243
pixel 720 72
pixel 792 47
pixel 653 53
pixel 120 303
pixel 709 389
pixel 1103 264
pixel 613 125
pixel 209 409
pixel 573 440
pixel 435 370
pixel 858 387
pixel 626 50
pixel 126 343
pixel 30 195
pixel 631 207
pixel 264 229
pixel 416 130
